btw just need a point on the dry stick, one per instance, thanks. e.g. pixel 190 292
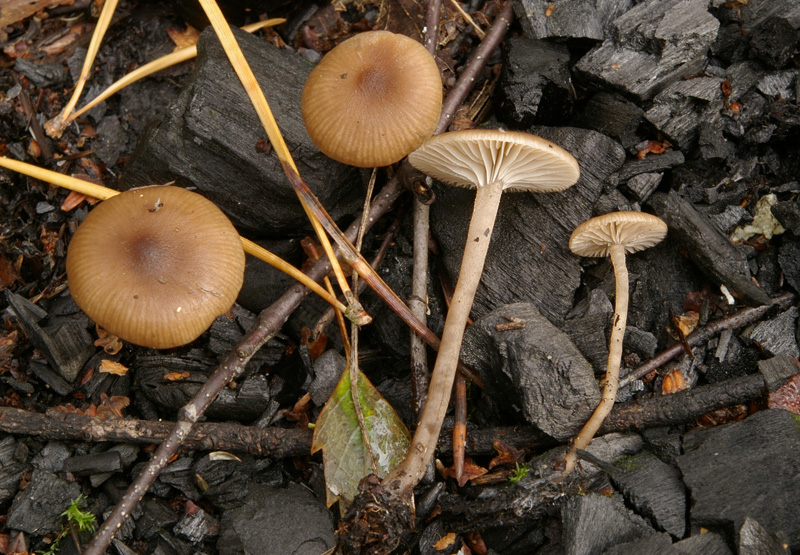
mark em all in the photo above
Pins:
pixel 272 318
pixel 679 408
pixel 330 312
pixel 459 429
pixel 362 267
pixel 735 320
pixel 418 301
pixel 55 127
pixel 169 60
pixel 33 123
pixel 352 360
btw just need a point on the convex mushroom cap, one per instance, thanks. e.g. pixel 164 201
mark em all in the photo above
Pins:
pixel 634 230
pixel 477 157
pixel 155 265
pixel 372 99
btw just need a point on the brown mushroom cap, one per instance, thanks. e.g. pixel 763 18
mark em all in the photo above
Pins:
pixel 372 99
pixel 156 265
pixel 477 157
pixel 634 230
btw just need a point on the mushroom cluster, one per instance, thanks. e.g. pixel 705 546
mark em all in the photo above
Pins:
pixel 490 161
pixel 614 235
pixel 372 99
pixel 155 265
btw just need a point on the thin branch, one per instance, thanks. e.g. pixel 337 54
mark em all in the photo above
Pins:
pixel 735 320
pixel 55 127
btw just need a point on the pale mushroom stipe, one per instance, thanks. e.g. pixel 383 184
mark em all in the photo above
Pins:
pixel 155 265
pixel 614 235
pixel 491 161
pixel 372 99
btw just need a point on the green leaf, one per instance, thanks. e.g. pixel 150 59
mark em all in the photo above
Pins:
pixel 338 434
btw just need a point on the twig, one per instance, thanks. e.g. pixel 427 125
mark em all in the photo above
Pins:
pixel 30 113
pixel 353 367
pixel 417 302
pixel 206 436
pixel 330 312
pixel 735 320
pixel 478 31
pixel 459 428
pixel 55 127
pixel 686 406
pixel 475 65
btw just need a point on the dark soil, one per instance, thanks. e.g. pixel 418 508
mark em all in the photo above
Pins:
pixel 702 131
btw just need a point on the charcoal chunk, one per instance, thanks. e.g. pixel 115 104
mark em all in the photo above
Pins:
pixel 712 252
pixel 777 335
pixel 13 464
pixel 570 19
pixel 675 111
pixel 288 520
pixel 594 523
pixel 612 115
pixel 535 86
pixel 754 539
pixel 532 369
pixel 37 510
pixel 703 544
pixel 729 483
pixel 654 488
pixel 208 139
pixel 774 41
pixel 652 45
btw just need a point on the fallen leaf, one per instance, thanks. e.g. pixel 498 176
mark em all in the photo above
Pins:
pixel 786 397
pixel 507 455
pixel 112 406
pixel 673 382
pixel 73 200
pixel 176 376
pixel 448 540
pixel 8 274
pixel 337 433
pixel 111 367
pixel 470 472
pixel 111 344
pixel 223 456
pixel 183 39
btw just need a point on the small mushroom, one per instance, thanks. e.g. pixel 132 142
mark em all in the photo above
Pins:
pixel 372 99
pixel 155 265
pixel 492 161
pixel 615 235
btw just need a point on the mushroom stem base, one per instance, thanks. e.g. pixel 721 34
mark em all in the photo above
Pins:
pixel 617 254
pixel 423 444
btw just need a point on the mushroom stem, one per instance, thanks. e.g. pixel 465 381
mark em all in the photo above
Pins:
pixel 617 254
pixel 409 472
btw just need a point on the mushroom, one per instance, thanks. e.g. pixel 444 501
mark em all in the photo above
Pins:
pixel 614 235
pixel 155 265
pixel 372 99
pixel 492 161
